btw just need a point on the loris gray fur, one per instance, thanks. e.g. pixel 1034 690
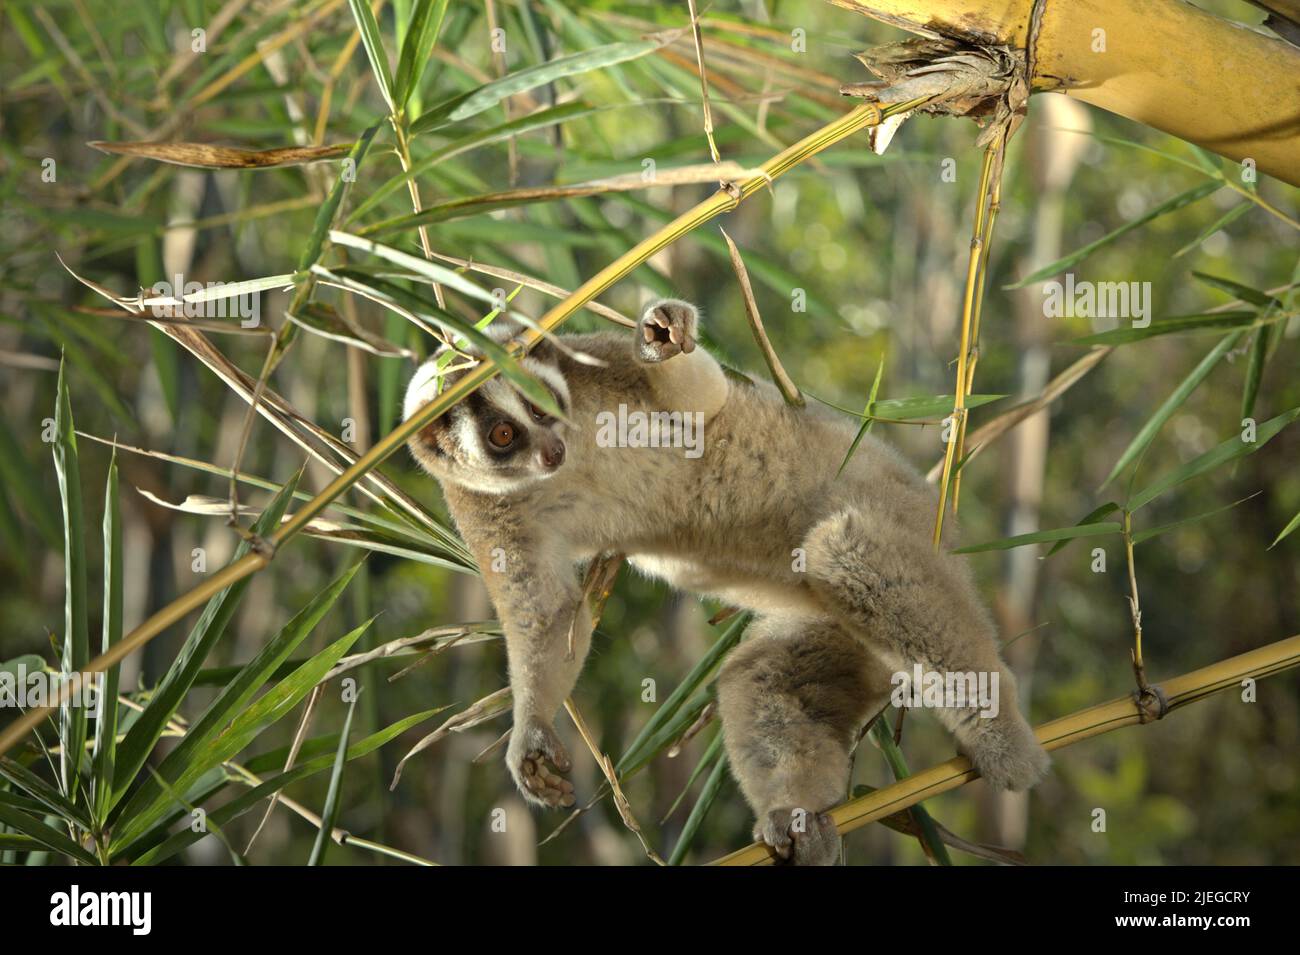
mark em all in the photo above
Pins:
pixel 838 570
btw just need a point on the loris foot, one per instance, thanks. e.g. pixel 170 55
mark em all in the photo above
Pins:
pixel 536 758
pixel 666 328
pixel 799 837
pixel 1006 753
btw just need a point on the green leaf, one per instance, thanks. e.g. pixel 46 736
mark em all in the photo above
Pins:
pixel 710 754
pixel 485 97
pixel 47 836
pixel 241 804
pixel 515 127
pixel 1108 508
pixel 102 757
pixel 1255 369
pixel 144 734
pixel 867 420
pixel 699 673
pixel 76 636
pixel 331 811
pixel 1291 526
pixel 325 217
pixel 708 795
pixel 1171 204
pixel 374 44
pixel 1170 405
pixel 421 35
pixel 1244 292
pixel 1141 536
pixel 1201 322
pixel 911 409
pixel 931 842
pixel 1232 448
pixel 246 726
pixel 1229 217
pixel 38 789
pixel 204 746
pixel 1044 537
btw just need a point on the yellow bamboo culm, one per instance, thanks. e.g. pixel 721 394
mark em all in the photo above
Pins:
pixel 1164 63
pixel 1094 721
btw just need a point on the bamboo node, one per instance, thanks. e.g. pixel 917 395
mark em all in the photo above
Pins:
pixel 1151 702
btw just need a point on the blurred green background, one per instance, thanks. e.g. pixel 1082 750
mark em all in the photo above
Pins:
pixel 878 245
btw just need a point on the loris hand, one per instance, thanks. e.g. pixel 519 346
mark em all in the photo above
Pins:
pixel 666 328
pixel 534 749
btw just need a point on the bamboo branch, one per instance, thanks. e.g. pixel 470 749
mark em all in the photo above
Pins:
pixel 724 200
pixel 1102 718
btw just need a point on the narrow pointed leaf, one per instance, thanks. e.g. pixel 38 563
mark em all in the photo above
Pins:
pixel 1233 448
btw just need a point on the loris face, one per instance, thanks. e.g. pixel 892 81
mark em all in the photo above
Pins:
pixel 495 441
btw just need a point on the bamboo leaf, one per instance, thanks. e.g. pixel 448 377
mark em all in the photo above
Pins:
pixel 331 810
pixel 145 732
pixel 1171 404
pixel 1141 536
pixel 1108 508
pixel 1201 322
pixel 103 755
pixel 325 218
pixel 421 35
pixel 76 636
pixel 1255 369
pixel 1244 292
pixel 1172 204
pixel 1234 447
pixel 702 670
pixel 203 746
pixel 708 796
pixel 267 787
pixel 207 156
pixel 485 97
pixel 244 728
pixel 374 44
pixel 867 417
pixel 1290 526
pixel 46 835
pixel 1044 537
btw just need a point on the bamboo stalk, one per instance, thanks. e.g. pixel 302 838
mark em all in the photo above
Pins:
pixel 973 277
pixel 1164 63
pixel 1093 721
pixel 726 199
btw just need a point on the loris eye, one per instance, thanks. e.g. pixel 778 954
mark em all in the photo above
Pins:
pixel 537 413
pixel 502 435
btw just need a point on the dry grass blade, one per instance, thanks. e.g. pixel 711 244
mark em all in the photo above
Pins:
pixel 206 156
pixel 789 390
pixel 607 767
pixel 990 432
pixel 299 735
pixel 529 281
pixel 490 707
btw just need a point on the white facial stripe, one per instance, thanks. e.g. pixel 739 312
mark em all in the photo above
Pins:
pixel 549 374
pixel 421 389
pixel 465 430
pixel 500 394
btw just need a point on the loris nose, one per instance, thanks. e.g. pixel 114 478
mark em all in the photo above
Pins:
pixel 552 454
